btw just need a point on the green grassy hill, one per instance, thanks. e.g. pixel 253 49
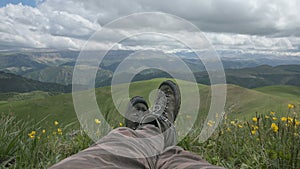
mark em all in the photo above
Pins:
pixel 240 103
pixel 285 91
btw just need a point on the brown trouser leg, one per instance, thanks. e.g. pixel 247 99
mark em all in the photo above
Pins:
pixel 177 158
pixel 121 149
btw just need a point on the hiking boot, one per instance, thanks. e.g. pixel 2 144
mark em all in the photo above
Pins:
pixel 168 100
pixel 164 111
pixel 137 108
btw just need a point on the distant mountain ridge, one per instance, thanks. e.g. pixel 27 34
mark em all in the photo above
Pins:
pixel 254 77
pixel 30 63
pixel 24 62
pixel 264 75
pixel 247 77
pixel 56 67
pixel 14 83
pixel 19 63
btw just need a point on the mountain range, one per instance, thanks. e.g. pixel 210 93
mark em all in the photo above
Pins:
pixel 53 70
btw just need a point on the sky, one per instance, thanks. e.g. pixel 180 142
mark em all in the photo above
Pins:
pixel 24 2
pixel 254 26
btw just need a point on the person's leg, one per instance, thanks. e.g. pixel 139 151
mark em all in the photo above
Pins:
pixel 128 148
pixel 176 157
pixel 119 149
pixel 133 146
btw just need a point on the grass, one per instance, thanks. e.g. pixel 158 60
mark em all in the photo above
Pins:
pixel 21 148
pixel 240 102
pixel 237 143
pixel 284 91
pixel 24 96
pixel 251 143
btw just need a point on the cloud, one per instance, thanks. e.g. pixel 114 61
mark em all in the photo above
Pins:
pixel 255 17
pixel 228 24
pixel 25 26
pixel 252 41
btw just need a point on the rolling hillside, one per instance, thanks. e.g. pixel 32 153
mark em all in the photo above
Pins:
pixel 284 91
pixel 241 102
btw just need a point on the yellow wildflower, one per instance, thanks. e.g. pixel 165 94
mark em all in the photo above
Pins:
pixel 283 119
pixel 59 131
pixel 290 106
pixel 44 131
pixel 232 122
pixel 253 132
pixel 254 127
pixel 274 127
pixel 240 126
pixel 228 129
pixel 120 124
pixel 32 134
pixel 56 123
pixel 297 122
pixel 272 113
pixel 97 121
pixel 274 118
pixel 254 119
pixel 267 116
